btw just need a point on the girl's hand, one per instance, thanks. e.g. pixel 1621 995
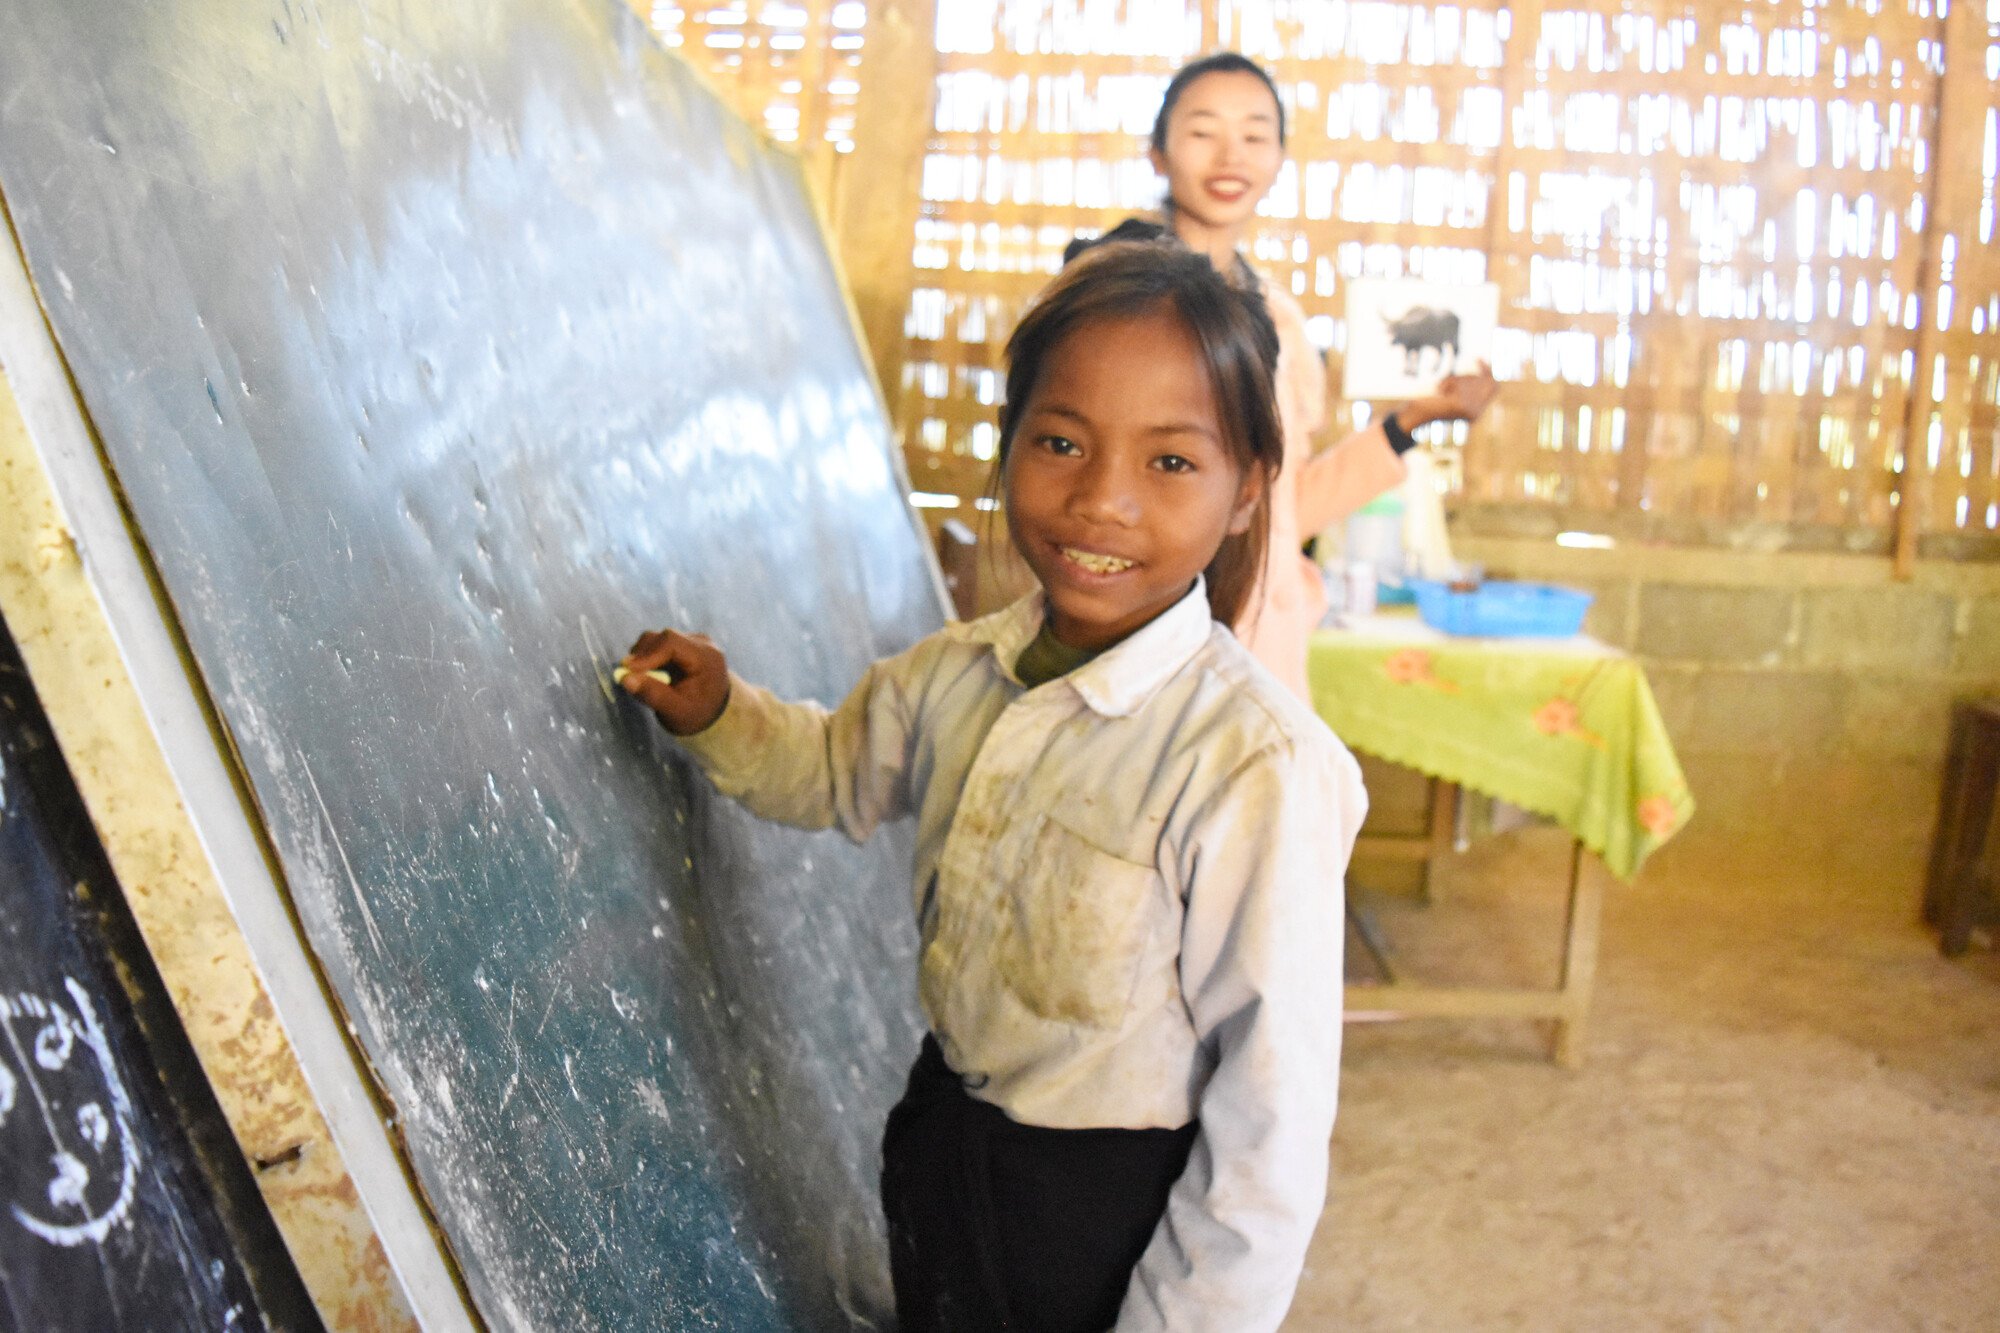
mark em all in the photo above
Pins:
pixel 1458 398
pixel 698 685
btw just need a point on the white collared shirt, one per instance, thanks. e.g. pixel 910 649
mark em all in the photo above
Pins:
pixel 1128 887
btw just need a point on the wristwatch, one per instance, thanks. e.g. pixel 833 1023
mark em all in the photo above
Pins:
pixel 1399 439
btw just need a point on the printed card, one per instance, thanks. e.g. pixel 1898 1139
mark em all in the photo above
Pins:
pixel 1403 336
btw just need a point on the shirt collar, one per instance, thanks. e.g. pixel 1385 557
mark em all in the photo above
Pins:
pixel 1118 681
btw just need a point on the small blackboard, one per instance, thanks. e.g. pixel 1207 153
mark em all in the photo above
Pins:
pixel 110 1210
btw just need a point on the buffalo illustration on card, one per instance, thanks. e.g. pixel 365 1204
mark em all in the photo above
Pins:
pixel 1403 336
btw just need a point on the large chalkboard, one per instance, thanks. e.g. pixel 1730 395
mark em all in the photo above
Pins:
pixel 113 1193
pixel 438 349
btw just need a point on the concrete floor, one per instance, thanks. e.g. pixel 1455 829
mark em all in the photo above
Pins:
pixel 1789 1117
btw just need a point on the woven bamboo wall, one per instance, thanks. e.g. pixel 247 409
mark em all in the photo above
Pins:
pixel 1745 251
pixel 790 67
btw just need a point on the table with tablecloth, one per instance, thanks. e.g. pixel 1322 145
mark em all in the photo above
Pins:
pixel 1564 728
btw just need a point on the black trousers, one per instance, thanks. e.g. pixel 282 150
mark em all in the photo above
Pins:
pixel 995 1225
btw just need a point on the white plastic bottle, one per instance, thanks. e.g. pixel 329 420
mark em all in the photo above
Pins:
pixel 1359 599
pixel 1375 539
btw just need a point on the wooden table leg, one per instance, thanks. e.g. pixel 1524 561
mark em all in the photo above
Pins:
pixel 1567 1005
pixel 1443 833
pixel 1950 829
pixel 1579 967
pixel 1964 845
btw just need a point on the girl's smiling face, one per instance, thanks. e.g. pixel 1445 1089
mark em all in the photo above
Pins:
pixel 1223 150
pixel 1120 483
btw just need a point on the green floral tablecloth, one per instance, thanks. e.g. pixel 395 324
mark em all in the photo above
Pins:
pixel 1563 727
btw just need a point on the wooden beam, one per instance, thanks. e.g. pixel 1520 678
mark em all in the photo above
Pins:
pixel 1412 1001
pixel 1951 216
pixel 879 191
pixel 1393 847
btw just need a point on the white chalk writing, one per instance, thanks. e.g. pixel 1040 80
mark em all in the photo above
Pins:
pixel 85 1114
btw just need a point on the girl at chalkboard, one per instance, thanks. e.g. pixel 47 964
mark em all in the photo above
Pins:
pixel 1126 835
pixel 1219 140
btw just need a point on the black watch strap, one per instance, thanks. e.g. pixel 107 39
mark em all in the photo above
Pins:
pixel 1399 439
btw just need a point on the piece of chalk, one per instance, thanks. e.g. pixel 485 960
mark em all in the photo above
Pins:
pixel 618 674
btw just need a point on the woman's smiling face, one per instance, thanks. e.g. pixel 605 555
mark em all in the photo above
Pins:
pixel 1120 484
pixel 1222 150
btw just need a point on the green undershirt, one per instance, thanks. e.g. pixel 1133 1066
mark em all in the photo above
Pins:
pixel 1047 658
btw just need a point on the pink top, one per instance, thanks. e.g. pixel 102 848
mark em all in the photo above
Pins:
pixel 1313 491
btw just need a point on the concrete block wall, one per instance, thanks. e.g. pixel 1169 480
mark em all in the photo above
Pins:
pixel 1808 694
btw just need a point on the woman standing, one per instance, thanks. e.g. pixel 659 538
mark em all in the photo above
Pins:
pixel 1219 141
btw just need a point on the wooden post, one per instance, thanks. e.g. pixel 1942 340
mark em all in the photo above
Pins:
pixel 880 192
pixel 1952 214
pixel 817 155
pixel 1506 441
pixel 958 557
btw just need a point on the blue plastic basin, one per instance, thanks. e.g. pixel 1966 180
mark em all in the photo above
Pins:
pixel 1501 609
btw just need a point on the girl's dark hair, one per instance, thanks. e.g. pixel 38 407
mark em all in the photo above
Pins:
pixel 1222 62
pixel 1239 345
